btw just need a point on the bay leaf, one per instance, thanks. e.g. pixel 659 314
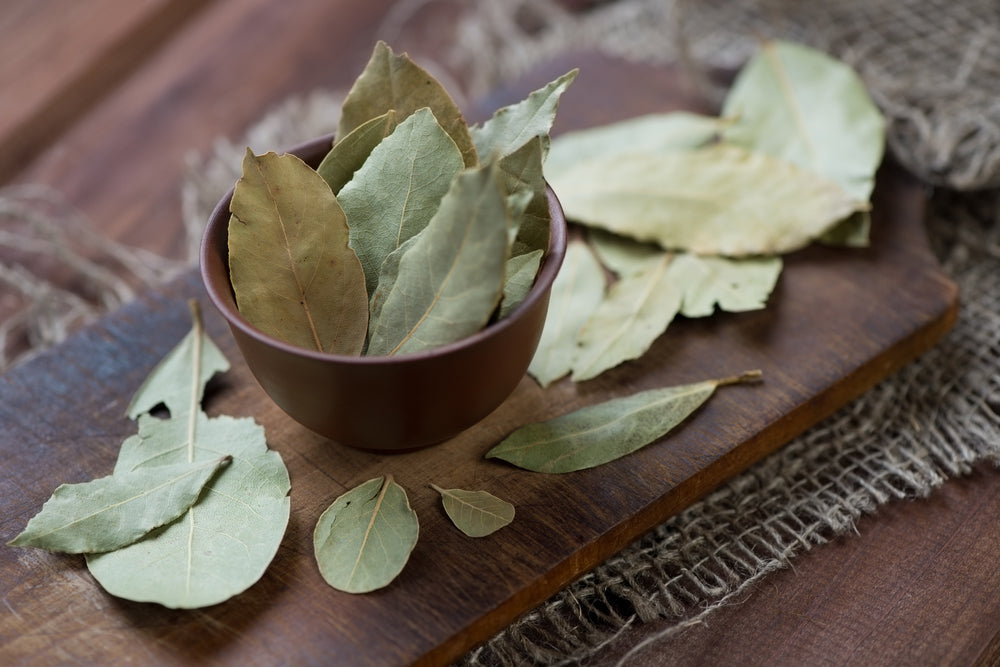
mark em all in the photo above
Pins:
pixel 651 133
pixel 394 82
pixel 450 279
pixel 114 511
pixel 521 272
pixel 224 543
pixel 720 199
pixel 512 126
pixel 734 285
pixel 522 172
pixel 349 153
pixel 398 190
pixel 634 313
pixel 622 255
pixel 597 434
pixel 171 383
pixel 364 539
pixel 293 273
pixel 475 513
pixel 578 289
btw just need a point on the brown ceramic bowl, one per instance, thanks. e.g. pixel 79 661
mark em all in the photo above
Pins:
pixel 387 403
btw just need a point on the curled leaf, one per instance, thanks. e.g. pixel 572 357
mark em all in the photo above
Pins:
pixel 363 540
pixel 521 271
pixel 475 513
pixel 349 153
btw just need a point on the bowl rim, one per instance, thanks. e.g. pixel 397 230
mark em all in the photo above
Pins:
pixel 224 300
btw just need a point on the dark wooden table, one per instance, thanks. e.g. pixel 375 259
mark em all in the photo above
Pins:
pixel 103 100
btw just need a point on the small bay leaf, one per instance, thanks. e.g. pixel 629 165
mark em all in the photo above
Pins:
pixel 521 271
pixel 450 278
pixel 363 540
pixel 398 189
pixel 522 173
pixel 114 511
pixel 735 285
pixel 597 434
pixel 720 199
pixel 475 513
pixel 622 255
pixel 293 273
pixel 394 82
pixel 512 126
pixel 350 153
pixel 634 313
pixel 578 289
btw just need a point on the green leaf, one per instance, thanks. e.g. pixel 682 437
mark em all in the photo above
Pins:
pixel 224 543
pixel 363 540
pixel 577 290
pixel 634 313
pixel 597 434
pixel 170 382
pixel 293 273
pixel 735 285
pixel 512 126
pixel 720 199
pixel 350 153
pixel 521 172
pixel 475 513
pixel 652 133
pixel 114 511
pixel 450 278
pixel 521 271
pixel 621 255
pixel 398 190
pixel 394 82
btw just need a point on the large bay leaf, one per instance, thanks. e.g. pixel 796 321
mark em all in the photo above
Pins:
pixel 634 313
pixel 720 199
pixel 578 289
pixel 512 126
pixel 600 433
pixel 363 540
pixel 394 82
pixel 475 513
pixel 114 511
pixel 652 133
pixel 398 190
pixel 224 543
pixel 450 278
pixel 347 155
pixel 521 271
pixel 294 275
pixel 735 285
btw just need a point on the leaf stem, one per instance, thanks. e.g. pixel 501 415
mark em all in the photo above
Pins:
pixel 743 378
pixel 196 344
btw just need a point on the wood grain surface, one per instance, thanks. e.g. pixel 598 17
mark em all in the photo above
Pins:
pixel 839 321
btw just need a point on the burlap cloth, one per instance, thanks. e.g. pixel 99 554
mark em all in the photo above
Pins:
pixel 933 66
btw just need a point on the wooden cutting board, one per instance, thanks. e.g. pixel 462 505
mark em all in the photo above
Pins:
pixel 839 321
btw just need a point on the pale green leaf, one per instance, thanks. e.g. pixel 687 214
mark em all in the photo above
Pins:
pixel 521 172
pixel 347 155
pixel 652 133
pixel 224 543
pixel 512 126
pixel 398 190
pixel 363 540
pixel 852 232
pixel 170 382
pixel 634 313
pixel 450 279
pixel 114 511
pixel 620 254
pixel 394 82
pixel 521 271
pixel 577 290
pixel 293 273
pixel 475 513
pixel 735 285
pixel 600 433
pixel 720 199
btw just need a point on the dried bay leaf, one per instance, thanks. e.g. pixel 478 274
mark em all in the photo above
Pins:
pixel 521 172
pixel 293 273
pixel 578 289
pixel 349 154
pixel 620 254
pixel 398 190
pixel 597 434
pixel 363 540
pixel 114 511
pixel 475 513
pixel 720 199
pixel 512 126
pixel 635 312
pixel 449 280
pixel 394 82
pixel 735 285
pixel 521 271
